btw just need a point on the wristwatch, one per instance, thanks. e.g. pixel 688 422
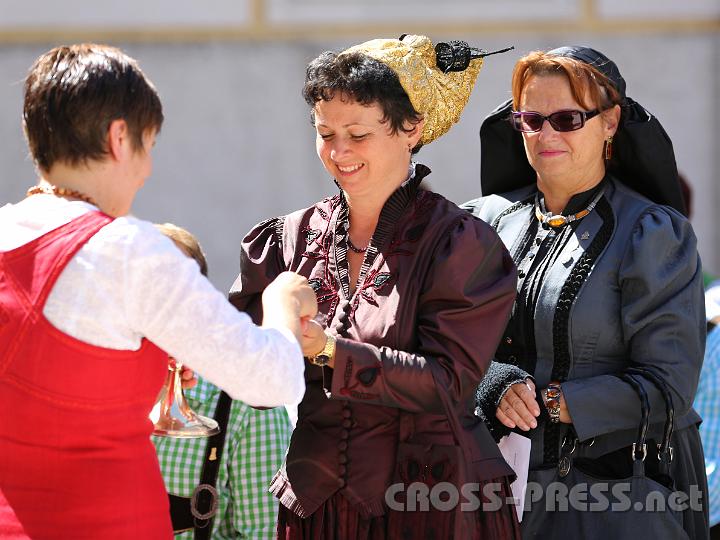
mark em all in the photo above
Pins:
pixel 328 353
pixel 552 401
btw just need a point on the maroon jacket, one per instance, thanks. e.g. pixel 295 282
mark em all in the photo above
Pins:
pixel 413 341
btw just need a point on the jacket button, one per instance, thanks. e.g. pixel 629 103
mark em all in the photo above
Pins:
pixel 342 458
pixel 347 423
pixel 413 470
pixel 344 434
pixel 341 482
pixel 342 470
pixel 346 412
pixel 342 446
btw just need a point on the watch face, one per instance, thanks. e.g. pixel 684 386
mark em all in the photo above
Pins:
pixel 553 393
pixel 321 360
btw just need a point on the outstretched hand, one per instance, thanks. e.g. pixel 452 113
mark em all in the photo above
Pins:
pixel 289 301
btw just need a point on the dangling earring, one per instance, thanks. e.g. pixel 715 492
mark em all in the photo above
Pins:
pixel 607 150
pixel 410 147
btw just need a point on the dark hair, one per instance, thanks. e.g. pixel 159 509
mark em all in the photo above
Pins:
pixel 73 93
pixel 187 243
pixel 363 79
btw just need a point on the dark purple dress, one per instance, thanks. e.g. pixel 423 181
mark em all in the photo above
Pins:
pixel 413 340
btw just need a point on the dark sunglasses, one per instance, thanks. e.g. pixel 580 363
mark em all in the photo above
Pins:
pixel 571 120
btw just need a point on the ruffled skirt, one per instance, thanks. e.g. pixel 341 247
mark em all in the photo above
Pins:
pixel 337 519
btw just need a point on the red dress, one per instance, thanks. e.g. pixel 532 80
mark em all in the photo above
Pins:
pixel 76 460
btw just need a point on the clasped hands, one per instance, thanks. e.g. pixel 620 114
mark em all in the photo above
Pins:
pixel 290 292
pixel 288 301
pixel 518 407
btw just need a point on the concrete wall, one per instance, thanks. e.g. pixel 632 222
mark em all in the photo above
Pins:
pixel 237 146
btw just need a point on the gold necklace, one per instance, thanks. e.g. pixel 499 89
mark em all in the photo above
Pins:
pixel 558 220
pixel 60 192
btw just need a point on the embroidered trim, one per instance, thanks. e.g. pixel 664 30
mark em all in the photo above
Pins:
pixel 279 227
pixel 318 246
pixel 561 322
pixel 322 238
pixel 510 209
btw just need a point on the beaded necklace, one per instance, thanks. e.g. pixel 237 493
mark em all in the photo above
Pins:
pixel 60 192
pixel 558 220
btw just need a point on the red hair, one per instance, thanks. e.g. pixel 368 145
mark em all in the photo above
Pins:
pixel 585 80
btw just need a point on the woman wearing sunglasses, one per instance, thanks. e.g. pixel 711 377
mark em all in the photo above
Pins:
pixel 581 184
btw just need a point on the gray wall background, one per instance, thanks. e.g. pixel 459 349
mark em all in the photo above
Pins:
pixel 237 146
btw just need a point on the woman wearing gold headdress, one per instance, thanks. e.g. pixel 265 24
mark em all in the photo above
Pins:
pixel 413 295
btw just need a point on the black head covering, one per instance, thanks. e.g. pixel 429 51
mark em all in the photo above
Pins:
pixel 643 157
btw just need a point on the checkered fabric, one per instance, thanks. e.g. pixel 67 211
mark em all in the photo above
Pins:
pixel 255 447
pixel 707 404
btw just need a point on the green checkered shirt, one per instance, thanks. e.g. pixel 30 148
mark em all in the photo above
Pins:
pixel 255 446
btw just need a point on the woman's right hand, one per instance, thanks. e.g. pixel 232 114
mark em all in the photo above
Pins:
pixel 518 407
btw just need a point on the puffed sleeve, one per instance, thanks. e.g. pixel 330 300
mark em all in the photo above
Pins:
pixel 464 306
pixel 663 321
pixel 261 261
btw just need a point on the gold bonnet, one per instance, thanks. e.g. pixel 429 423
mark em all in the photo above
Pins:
pixel 440 97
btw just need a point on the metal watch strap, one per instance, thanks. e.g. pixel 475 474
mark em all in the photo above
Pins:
pixel 328 352
pixel 552 401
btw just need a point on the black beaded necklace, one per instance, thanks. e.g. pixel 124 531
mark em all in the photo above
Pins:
pixel 354 248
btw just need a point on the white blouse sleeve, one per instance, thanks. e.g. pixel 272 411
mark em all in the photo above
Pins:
pixel 178 309
pixel 130 282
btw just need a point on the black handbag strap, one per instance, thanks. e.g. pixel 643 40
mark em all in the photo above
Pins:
pixel 639 448
pixel 665 451
pixel 198 511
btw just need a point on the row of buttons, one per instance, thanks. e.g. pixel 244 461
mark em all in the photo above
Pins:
pixel 343 322
pixel 343 444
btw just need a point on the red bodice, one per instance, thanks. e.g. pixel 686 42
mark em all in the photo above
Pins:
pixel 76 459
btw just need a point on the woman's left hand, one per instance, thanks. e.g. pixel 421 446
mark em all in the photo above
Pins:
pixel 313 338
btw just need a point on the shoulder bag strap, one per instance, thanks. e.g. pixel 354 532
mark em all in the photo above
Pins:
pixel 207 497
pixel 197 512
